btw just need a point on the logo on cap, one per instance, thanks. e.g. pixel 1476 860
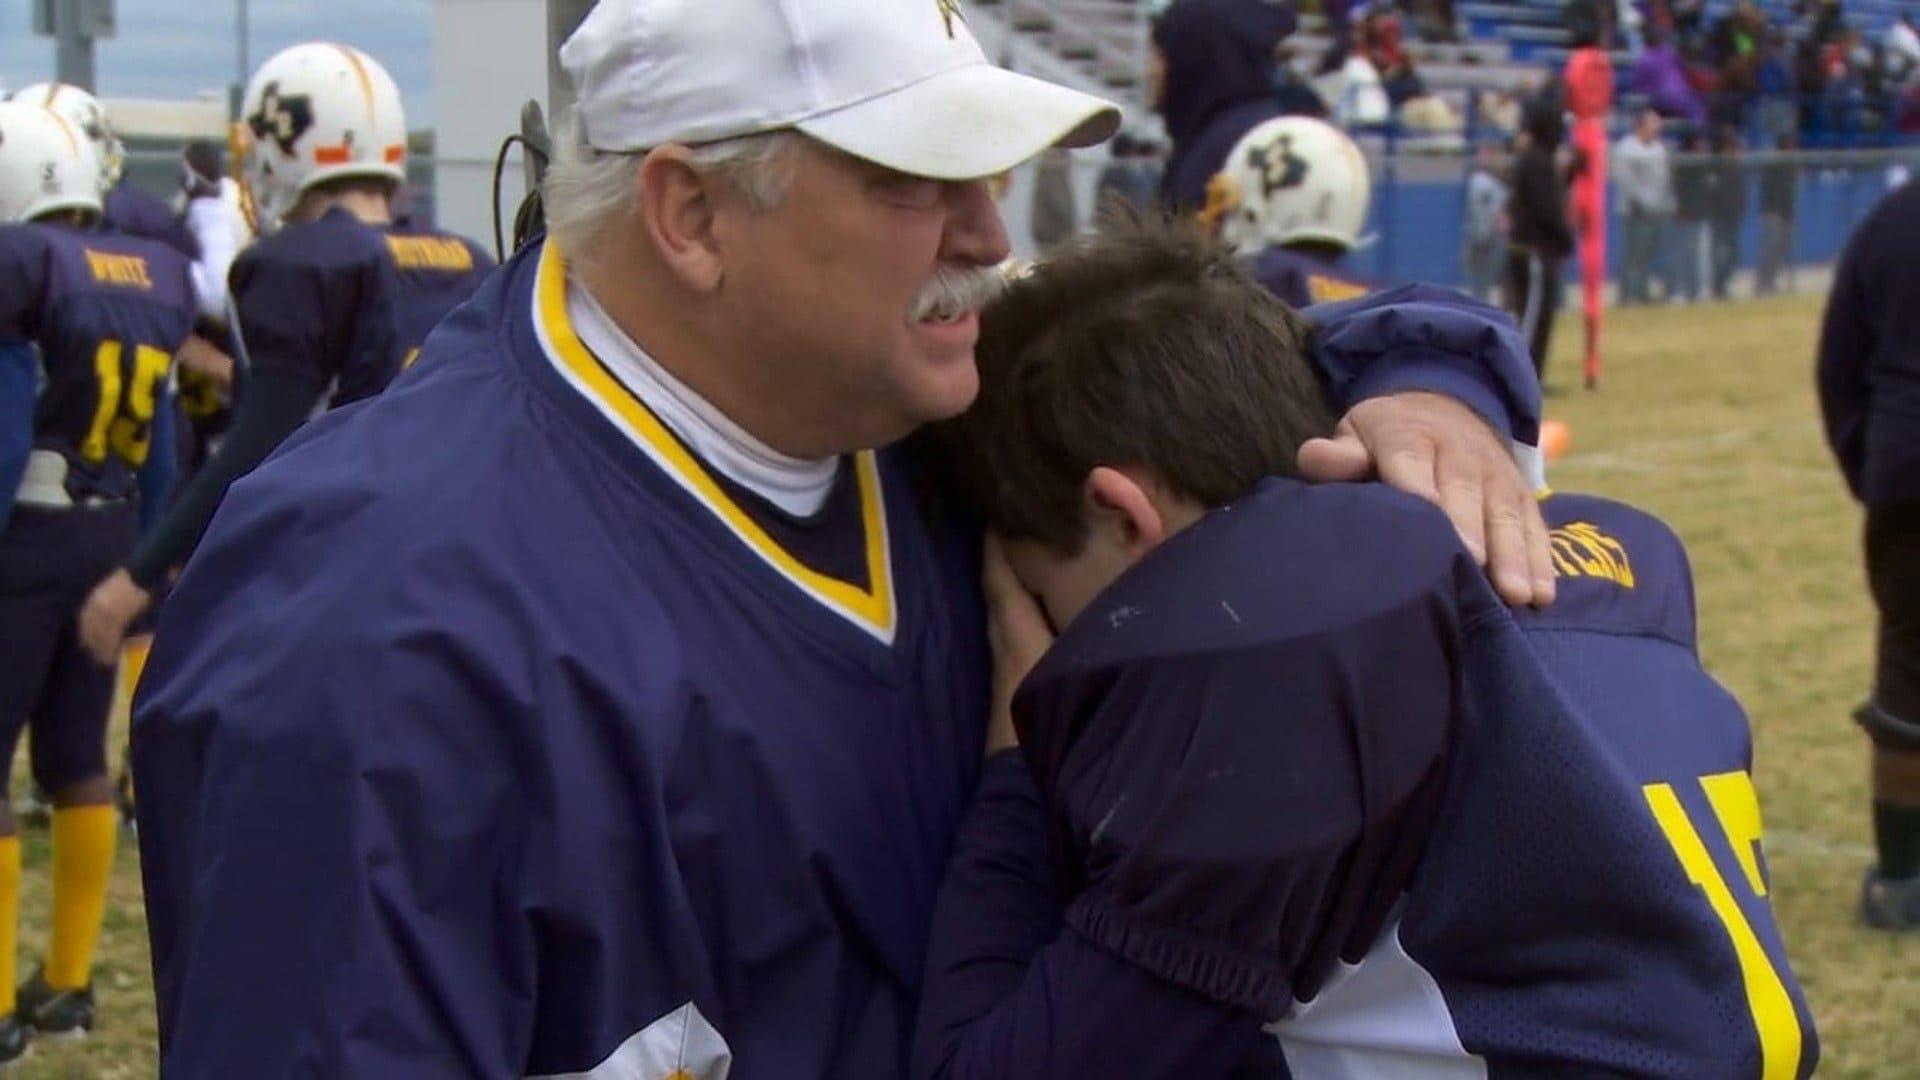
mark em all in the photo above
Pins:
pixel 949 11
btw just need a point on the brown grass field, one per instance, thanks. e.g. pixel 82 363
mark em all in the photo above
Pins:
pixel 1707 417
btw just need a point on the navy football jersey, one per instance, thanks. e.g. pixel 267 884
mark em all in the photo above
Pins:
pixel 108 313
pixel 132 212
pixel 318 300
pixel 1302 761
pixel 1303 280
pixel 437 272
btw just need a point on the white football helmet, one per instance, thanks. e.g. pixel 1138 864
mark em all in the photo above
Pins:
pixel 317 112
pixel 45 164
pixel 1294 179
pixel 89 117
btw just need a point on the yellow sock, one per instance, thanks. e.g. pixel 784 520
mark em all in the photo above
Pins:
pixel 83 839
pixel 9 917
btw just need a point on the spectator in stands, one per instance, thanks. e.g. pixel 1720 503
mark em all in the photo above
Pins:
pixel 1810 82
pixel 1779 197
pixel 1056 214
pixel 1484 252
pixel 1902 43
pixel 1691 203
pixel 1689 23
pixel 1498 110
pixel 1726 208
pixel 1542 235
pixel 1440 21
pixel 1384 47
pixel 1735 49
pixel 1843 64
pixel 1827 22
pixel 1660 75
pixel 1357 95
pixel 1643 174
pixel 1292 91
pixel 1381 39
pixel 1339 16
pixel 1129 178
pixel 1212 83
pixel 1777 84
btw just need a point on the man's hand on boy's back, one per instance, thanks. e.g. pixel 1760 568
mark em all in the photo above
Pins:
pixel 1436 448
pixel 1018 630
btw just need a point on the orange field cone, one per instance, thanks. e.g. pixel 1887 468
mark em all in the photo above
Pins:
pixel 1555 439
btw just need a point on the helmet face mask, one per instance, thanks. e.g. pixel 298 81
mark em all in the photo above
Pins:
pixel 46 165
pixel 318 112
pixel 86 115
pixel 1298 180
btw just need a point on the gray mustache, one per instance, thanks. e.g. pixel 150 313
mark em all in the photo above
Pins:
pixel 954 290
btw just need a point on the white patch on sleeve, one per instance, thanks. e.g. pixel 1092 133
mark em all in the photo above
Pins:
pixel 1532 463
pixel 1381 1019
pixel 679 1046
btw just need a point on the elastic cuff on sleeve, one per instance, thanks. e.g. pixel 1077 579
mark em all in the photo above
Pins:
pixel 1442 375
pixel 1210 968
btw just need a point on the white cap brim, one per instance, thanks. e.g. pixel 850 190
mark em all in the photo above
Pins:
pixel 965 123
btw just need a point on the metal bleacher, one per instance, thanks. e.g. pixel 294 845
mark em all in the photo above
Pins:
pixel 1102 45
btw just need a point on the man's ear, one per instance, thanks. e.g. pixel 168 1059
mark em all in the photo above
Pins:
pixel 1120 501
pixel 677 212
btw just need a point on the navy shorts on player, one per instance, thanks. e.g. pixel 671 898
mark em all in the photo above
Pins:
pixel 49 560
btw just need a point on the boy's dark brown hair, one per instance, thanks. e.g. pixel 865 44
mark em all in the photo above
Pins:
pixel 1147 345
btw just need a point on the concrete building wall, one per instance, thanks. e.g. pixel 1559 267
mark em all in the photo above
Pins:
pixel 489 58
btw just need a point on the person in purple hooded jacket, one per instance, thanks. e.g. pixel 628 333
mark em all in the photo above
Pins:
pixel 1212 83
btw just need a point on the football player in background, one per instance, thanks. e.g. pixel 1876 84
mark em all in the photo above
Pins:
pixel 1293 198
pixel 106 311
pixel 1293 790
pixel 1869 381
pixel 332 302
pixel 125 208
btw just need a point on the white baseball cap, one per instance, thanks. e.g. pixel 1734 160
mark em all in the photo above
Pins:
pixel 900 83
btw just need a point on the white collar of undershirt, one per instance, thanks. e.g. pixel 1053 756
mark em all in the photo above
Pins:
pixel 796 485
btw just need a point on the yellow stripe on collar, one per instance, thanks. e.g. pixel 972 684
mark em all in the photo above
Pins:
pixel 872 609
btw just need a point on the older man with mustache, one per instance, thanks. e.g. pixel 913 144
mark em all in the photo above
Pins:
pixel 601 701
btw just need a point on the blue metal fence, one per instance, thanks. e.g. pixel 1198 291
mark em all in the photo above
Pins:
pixel 1418 211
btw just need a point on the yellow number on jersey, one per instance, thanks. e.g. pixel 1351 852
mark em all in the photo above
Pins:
pixel 123 422
pixel 1737 807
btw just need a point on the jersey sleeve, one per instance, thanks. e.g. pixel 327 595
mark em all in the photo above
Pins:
pixel 1238 753
pixel 1243 820
pixel 1012 992
pixel 332 846
pixel 376 839
pixel 1420 337
pixel 23 284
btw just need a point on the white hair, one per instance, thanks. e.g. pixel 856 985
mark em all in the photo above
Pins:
pixel 587 189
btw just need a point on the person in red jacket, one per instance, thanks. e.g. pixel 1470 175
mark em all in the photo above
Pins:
pixel 1589 81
